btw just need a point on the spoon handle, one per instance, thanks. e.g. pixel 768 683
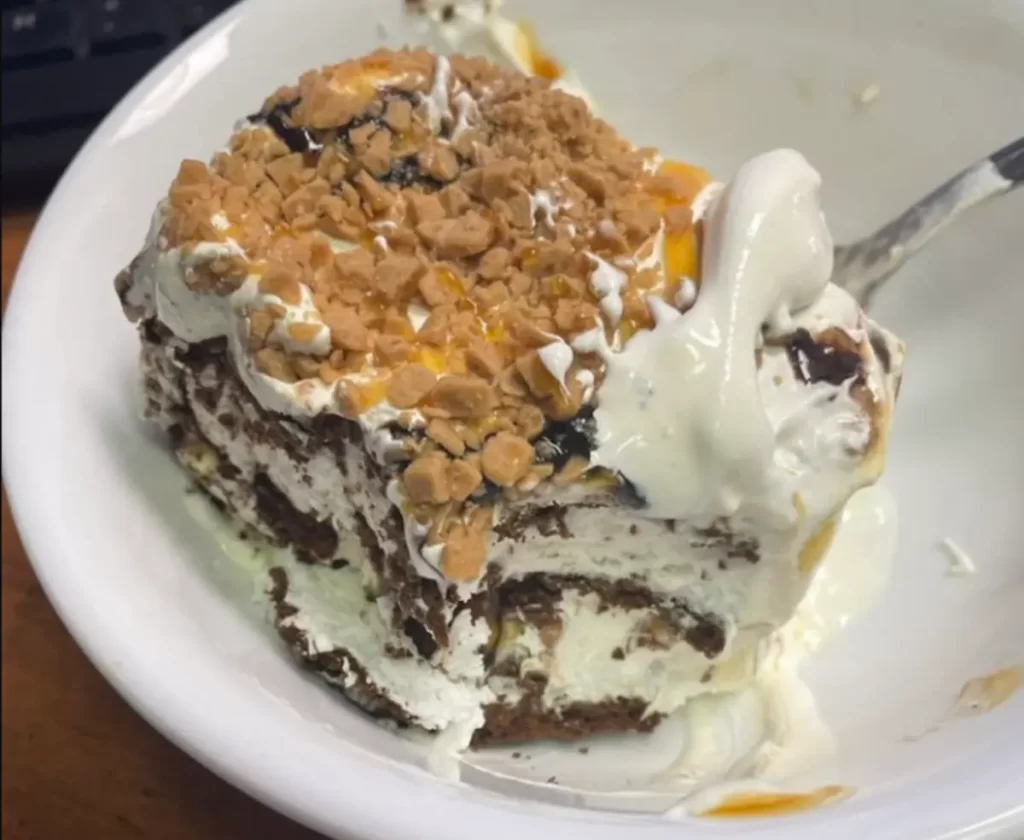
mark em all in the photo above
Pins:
pixel 862 266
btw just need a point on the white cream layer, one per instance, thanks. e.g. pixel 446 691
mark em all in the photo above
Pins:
pixel 681 413
pixel 479 29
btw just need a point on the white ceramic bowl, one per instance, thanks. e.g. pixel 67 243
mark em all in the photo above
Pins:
pixel 100 505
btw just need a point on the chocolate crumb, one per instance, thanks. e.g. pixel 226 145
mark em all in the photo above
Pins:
pixel 421 638
pixel 563 439
pixel 278 119
pixel 817 361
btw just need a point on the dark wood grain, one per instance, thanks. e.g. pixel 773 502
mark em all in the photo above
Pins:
pixel 78 763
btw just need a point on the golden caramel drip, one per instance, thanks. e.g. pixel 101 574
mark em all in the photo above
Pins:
pixel 527 47
pixel 817 545
pixel 756 805
pixel 693 178
pixel 675 186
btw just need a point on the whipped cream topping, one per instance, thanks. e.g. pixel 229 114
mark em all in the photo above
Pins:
pixel 557 358
pixel 160 286
pixel 680 413
pixel 436 101
pixel 479 28
pixel 544 203
pixel 607 283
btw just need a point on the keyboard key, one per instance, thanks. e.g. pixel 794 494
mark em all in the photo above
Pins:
pixel 197 13
pixel 113 21
pixel 37 31
pixel 31 158
pixel 67 62
pixel 72 88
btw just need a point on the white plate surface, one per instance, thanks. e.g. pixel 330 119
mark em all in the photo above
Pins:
pixel 102 513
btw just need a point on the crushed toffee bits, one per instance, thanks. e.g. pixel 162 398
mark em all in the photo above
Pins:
pixel 445 229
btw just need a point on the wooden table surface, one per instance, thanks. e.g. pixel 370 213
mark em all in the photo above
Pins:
pixel 78 763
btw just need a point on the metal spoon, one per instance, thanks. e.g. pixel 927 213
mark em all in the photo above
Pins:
pixel 862 266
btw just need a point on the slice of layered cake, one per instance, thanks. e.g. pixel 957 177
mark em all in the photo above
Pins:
pixel 555 430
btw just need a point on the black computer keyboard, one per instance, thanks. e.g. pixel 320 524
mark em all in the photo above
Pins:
pixel 66 63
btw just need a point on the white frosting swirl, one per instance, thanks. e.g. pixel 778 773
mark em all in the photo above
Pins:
pixel 681 411
pixel 159 287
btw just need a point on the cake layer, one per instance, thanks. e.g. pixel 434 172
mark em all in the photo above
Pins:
pixel 590 649
pixel 262 469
